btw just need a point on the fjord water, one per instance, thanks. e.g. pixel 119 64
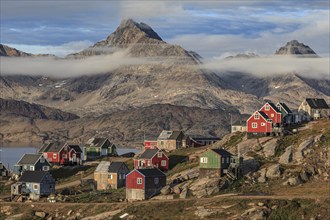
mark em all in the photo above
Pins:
pixel 11 153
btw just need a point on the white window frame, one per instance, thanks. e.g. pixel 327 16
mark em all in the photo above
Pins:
pixel 31 168
pixel 263 124
pixel 272 115
pixel 163 163
pixel 228 159
pixel 267 108
pixel 256 116
pixel 160 154
pixel 55 156
pixel 35 186
pixel 254 125
pixel 156 180
pixel 110 176
pixel 139 181
pixel 124 176
pixel 45 168
pixel 203 159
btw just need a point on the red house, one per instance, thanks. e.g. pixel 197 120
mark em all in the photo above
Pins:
pixel 61 153
pixel 143 184
pixel 152 158
pixel 272 112
pixel 150 144
pixel 259 123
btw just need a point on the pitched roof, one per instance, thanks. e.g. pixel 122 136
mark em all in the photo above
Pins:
pixel 32 176
pixel 285 107
pixel 115 167
pixel 274 107
pixel 221 152
pixel 148 153
pixel 317 103
pixel 29 159
pixel 96 142
pixel 169 135
pixel 103 167
pixel 76 148
pixel 263 114
pixel 151 172
pixel 52 147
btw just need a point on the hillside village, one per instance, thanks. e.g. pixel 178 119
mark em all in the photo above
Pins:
pixel 277 147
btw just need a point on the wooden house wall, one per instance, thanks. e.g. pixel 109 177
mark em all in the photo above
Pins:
pixel 213 160
pixel 131 180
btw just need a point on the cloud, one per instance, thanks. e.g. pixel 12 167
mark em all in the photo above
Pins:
pixel 59 50
pixel 269 66
pixel 43 66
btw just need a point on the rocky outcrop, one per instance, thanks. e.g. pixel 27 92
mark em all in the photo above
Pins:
pixel 299 154
pixel 269 148
pixel 286 157
pixel 34 111
pixel 295 48
pixel 274 171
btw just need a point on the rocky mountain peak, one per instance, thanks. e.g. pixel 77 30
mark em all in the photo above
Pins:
pixel 295 48
pixel 6 51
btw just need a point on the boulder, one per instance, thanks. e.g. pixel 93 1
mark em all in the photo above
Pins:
pixel 40 214
pixel 262 177
pixel 259 215
pixel 286 157
pixel 165 190
pixel 249 165
pixel 293 181
pixel 176 189
pixel 201 212
pixel 184 193
pixel 318 138
pixel 299 154
pixel 270 147
pixel 274 171
pixel 304 176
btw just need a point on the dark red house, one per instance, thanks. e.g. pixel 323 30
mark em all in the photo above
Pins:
pixel 152 158
pixel 148 144
pixel 61 153
pixel 272 112
pixel 259 123
pixel 143 184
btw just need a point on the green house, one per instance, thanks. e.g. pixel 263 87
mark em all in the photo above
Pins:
pixel 98 147
pixel 217 162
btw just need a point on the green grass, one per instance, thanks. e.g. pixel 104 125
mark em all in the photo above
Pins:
pixel 69 173
pixel 113 195
pixel 4 189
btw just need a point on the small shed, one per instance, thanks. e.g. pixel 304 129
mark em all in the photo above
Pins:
pixel 143 184
pixel 34 184
pixel 98 147
pixel 117 174
pixel 101 175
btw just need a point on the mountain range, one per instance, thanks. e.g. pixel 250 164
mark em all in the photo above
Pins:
pixel 173 81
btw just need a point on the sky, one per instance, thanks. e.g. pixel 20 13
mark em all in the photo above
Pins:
pixel 211 28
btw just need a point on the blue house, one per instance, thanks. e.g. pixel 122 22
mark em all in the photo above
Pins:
pixel 33 184
pixel 31 162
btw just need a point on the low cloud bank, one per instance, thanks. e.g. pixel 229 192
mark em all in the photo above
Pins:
pixel 46 66
pixel 268 66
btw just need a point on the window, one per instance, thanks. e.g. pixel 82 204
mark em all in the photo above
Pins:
pixel 110 176
pixel 139 180
pixel 31 168
pixel 45 168
pixel 120 176
pixel 124 176
pixel 203 159
pixel 267 108
pixel 156 180
pixel 222 160
pixel 256 116
pixel 159 154
pixel 35 186
pixel 25 167
pixel 149 163
pixel 272 115
pixel 162 143
pixel 42 160
pixel 254 125
pixel 227 159
pixel 163 163
pixel 263 124
pixel 54 156
pixel 64 156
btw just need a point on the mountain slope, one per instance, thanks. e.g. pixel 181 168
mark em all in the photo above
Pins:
pixel 295 48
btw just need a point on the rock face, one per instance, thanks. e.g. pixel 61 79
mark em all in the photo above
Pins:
pixel 286 157
pixel 7 51
pixel 299 154
pixel 34 111
pixel 295 48
pixel 274 171
pixel 270 147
